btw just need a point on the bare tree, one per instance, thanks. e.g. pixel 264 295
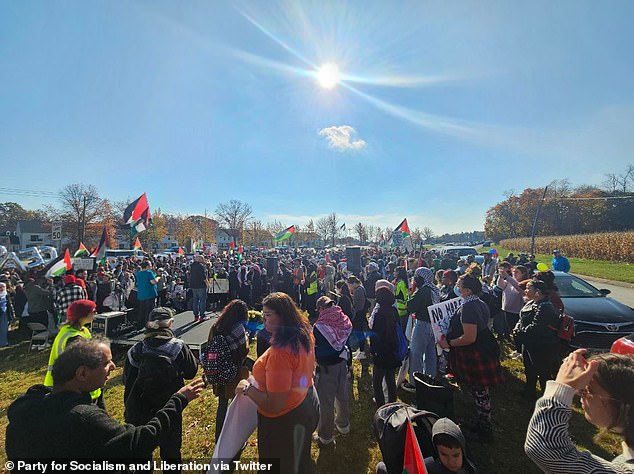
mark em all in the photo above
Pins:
pixel 362 232
pixel 234 215
pixel 334 228
pixel 427 233
pixel 81 205
pixel 323 229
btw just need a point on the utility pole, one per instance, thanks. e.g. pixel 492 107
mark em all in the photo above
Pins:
pixel 539 208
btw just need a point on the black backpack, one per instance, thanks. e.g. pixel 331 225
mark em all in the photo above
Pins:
pixel 390 422
pixel 158 378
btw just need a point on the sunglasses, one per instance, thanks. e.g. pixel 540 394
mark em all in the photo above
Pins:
pixel 587 395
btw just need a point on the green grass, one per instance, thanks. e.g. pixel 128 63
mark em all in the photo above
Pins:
pixel 357 452
pixel 596 268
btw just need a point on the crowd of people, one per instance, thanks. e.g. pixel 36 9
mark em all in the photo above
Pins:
pixel 319 314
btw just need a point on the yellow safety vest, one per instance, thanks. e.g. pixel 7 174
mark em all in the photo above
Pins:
pixel 66 332
pixel 312 288
pixel 401 298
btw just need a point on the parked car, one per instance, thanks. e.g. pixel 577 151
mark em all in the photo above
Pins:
pixel 599 319
pixel 624 345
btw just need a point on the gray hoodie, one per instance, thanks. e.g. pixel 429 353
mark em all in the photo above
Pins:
pixel 448 427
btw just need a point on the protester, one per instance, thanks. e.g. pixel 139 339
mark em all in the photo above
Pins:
pixel 70 293
pixel 78 316
pixel 345 300
pixel 536 335
pixel 512 293
pixel 331 332
pixel 61 423
pixel 7 314
pixel 474 353
pixel 560 263
pixel 146 281
pixel 372 276
pixel 383 344
pixel 288 407
pixel 155 369
pixel 451 446
pixel 401 294
pixel 360 306
pixel 198 276
pixel 39 300
pixel 606 385
pixel 423 357
pixel 231 325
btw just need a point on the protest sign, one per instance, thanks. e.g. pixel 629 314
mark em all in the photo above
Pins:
pixel 440 315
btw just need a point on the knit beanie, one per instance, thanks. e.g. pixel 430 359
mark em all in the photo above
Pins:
pixel 80 309
pixel 384 284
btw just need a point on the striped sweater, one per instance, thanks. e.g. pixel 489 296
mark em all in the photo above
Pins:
pixel 549 445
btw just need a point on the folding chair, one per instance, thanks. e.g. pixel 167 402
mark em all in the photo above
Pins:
pixel 39 333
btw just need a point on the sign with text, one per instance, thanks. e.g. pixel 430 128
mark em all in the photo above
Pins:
pixel 440 316
pixel 56 231
pixel 84 263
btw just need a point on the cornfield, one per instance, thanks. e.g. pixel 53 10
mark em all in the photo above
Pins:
pixel 611 246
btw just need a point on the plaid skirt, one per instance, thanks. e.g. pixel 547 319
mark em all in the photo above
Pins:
pixel 472 367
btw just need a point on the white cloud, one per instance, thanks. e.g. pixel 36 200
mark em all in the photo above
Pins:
pixel 341 138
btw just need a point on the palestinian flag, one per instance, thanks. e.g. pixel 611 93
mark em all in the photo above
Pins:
pixel 232 245
pixel 82 250
pixel 60 266
pixel 135 210
pixel 403 229
pixel 285 234
pixel 181 251
pixel 100 252
pixel 137 244
pixel 144 223
pixel 413 459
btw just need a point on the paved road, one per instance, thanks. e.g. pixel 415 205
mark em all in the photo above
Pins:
pixel 624 294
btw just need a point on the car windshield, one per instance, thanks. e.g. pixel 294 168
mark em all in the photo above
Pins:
pixel 572 287
pixel 465 252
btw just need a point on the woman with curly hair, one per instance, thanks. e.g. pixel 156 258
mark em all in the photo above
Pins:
pixel 288 408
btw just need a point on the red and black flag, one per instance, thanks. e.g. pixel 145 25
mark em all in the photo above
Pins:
pixel 135 210
pixel 100 252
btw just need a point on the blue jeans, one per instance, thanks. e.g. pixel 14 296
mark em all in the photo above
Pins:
pixel 422 351
pixel 199 301
pixel 4 328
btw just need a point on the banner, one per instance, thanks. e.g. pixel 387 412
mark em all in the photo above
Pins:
pixel 440 316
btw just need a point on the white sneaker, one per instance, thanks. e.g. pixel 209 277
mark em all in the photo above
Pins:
pixel 360 356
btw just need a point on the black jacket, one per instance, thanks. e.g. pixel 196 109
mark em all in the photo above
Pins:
pixel 198 275
pixel 383 339
pixel 370 282
pixel 66 425
pixel 418 303
pixel 538 325
pixel 139 407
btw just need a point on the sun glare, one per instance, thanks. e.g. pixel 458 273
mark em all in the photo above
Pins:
pixel 328 75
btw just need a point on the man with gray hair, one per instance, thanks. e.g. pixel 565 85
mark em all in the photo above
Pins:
pixel 60 422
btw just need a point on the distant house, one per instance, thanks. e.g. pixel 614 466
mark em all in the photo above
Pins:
pixel 33 233
pixel 224 237
pixel 9 239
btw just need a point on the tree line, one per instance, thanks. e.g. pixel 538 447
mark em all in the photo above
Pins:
pixel 565 210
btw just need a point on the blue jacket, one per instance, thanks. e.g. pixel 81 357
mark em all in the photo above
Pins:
pixel 561 264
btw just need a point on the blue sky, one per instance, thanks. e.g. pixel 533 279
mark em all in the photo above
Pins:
pixel 442 106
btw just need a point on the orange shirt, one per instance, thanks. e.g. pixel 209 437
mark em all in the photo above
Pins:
pixel 278 370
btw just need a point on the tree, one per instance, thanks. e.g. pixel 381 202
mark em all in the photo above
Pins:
pixel 333 227
pixel 81 206
pixel 323 229
pixel 152 236
pixel 233 215
pixel 184 229
pixel 11 213
pixel 362 232
pixel 427 233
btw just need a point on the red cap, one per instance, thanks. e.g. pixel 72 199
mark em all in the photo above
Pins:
pixel 80 309
pixel 69 279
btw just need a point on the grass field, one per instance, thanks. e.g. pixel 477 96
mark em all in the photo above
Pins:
pixel 357 452
pixel 596 268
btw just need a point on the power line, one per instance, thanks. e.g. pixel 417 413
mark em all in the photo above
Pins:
pixel 563 198
pixel 28 192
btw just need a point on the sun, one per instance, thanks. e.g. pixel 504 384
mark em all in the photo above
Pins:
pixel 328 75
